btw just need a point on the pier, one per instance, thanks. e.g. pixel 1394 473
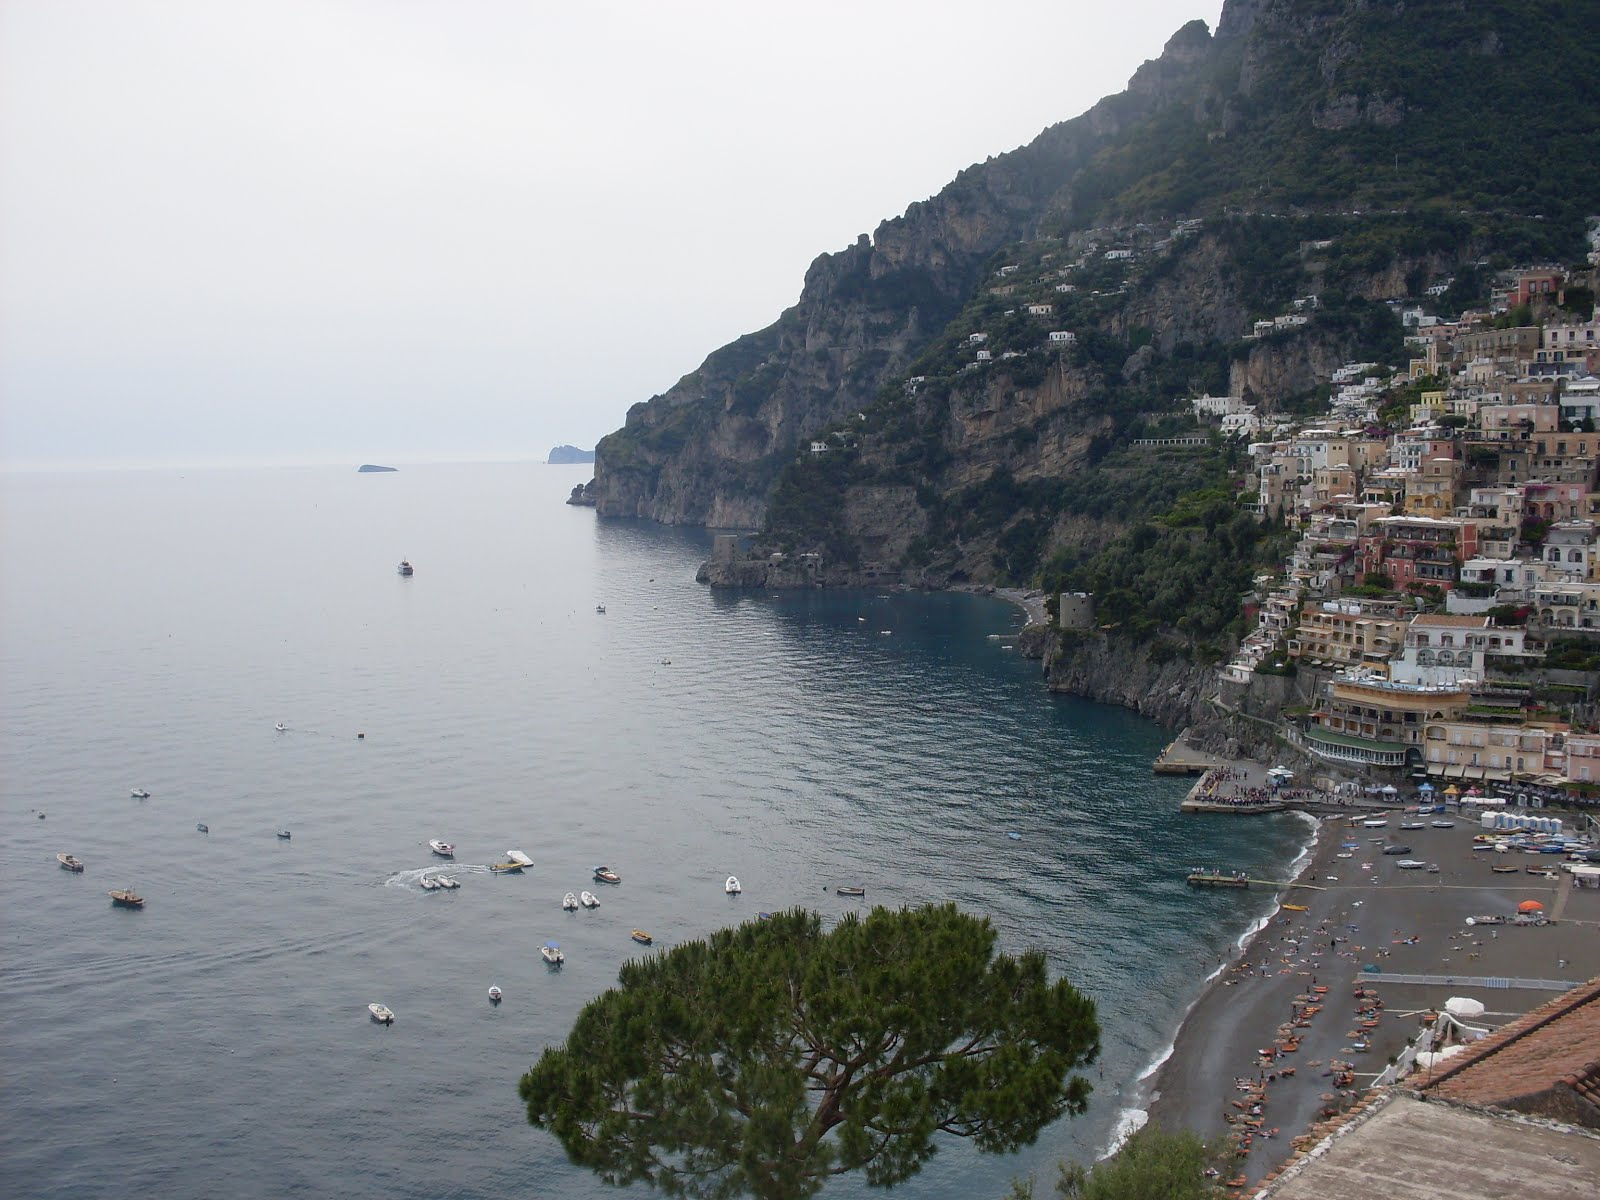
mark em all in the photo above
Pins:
pixel 1182 759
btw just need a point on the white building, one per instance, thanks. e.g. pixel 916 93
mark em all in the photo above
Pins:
pixel 1062 337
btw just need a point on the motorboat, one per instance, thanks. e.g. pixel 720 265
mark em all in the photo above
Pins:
pixel 495 995
pixel 1442 824
pixel 640 936
pixel 606 875
pixel 126 898
pixel 1412 825
pixel 405 566
pixel 281 727
pixel 732 887
pixel 428 883
pixel 1411 864
pixel 518 857
pixel 569 902
pixel 601 609
pixel 850 891
pixel 68 863
pixel 381 1014
pixel 552 954
pixel 590 900
pixel 202 827
pixel 139 794
pixel 284 834
pixel 448 882
pixel 506 868
pixel 442 849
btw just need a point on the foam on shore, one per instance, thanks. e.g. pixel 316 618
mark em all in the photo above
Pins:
pixel 1134 1117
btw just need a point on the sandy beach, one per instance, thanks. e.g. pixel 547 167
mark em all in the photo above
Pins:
pixel 1255 1057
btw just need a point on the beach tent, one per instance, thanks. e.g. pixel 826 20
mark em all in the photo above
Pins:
pixel 1452 790
pixel 1389 789
pixel 1426 787
pixel 1530 906
pixel 1463 1006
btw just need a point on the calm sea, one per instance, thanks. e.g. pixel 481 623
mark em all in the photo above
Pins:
pixel 157 625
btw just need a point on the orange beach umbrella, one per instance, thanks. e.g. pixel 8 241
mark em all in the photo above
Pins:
pixel 1530 906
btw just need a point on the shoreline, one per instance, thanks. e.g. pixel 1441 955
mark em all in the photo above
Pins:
pixel 1030 601
pixel 1253 1056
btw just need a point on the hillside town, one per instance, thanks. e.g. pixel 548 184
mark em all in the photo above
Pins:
pixel 1444 585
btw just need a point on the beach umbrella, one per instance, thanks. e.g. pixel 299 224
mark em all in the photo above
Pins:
pixel 1452 790
pixel 1426 787
pixel 1530 906
pixel 1463 1006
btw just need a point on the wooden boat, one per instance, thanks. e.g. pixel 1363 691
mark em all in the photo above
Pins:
pixel 381 1014
pixel 1295 908
pixel 606 875
pixel 68 863
pixel 850 891
pixel 641 937
pixel 1503 869
pixel 506 868
pixel 126 898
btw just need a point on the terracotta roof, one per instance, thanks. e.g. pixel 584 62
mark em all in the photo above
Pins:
pixel 1545 1062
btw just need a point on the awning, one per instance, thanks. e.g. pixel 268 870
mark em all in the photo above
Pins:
pixel 1497 774
pixel 1472 772
pixel 1453 771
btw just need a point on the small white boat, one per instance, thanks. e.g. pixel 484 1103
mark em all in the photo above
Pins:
pixel 405 566
pixel 284 834
pixel 448 882
pixel 732 887
pixel 428 883
pixel 569 902
pixel 442 849
pixel 381 1013
pixel 552 954
pixel 1411 864
pixel 281 727
pixel 1412 825
pixel 495 995
pixel 1442 824
pixel 590 900
pixel 139 794
pixel 69 863
pixel 518 857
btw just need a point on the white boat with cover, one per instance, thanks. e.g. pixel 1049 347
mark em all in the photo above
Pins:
pixel 518 857
pixel 569 902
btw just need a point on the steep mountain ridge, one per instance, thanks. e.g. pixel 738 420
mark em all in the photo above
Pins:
pixel 1307 110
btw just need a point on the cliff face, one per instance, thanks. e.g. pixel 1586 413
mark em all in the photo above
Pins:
pixel 708 449
pixel 1114 670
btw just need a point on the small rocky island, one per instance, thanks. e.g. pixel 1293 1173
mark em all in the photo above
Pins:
pixel 368 468
pixel 563 456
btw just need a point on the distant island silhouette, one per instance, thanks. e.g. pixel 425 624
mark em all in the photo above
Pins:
pixel 563 455
pixel 365 468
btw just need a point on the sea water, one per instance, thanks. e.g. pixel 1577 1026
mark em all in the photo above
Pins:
pixel 158 625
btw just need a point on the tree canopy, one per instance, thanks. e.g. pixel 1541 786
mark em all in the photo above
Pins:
pixel 772 1056
pixel 1153 1164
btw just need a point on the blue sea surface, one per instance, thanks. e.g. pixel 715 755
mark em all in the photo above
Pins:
pixel 158 624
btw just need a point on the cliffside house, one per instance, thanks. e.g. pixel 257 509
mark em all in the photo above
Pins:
pixel 1062 337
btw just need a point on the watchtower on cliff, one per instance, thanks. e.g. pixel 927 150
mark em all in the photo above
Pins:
pixel 1075 610
pixel 725 548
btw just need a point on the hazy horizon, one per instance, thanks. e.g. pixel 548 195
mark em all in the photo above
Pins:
pixel 354 231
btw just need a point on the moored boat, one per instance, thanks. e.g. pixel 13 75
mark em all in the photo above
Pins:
pixel 69 863
pixel 281 727
pixel 284 834
pixel 518 857
pixel 733 887
pixel 850 891
pixel 552 954
pixel 569 902
pixel 381 1014
pixel 139 794
pixel 640 936
pixel 441 848
pixel 202 827
pixel 506 868
pixel 126 898
pixel 589 899
pixel 606 875
pixel 1442 824
pixel 495 995
pixel 405 566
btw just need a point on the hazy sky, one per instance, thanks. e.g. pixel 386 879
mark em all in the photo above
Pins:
pixel 373 230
